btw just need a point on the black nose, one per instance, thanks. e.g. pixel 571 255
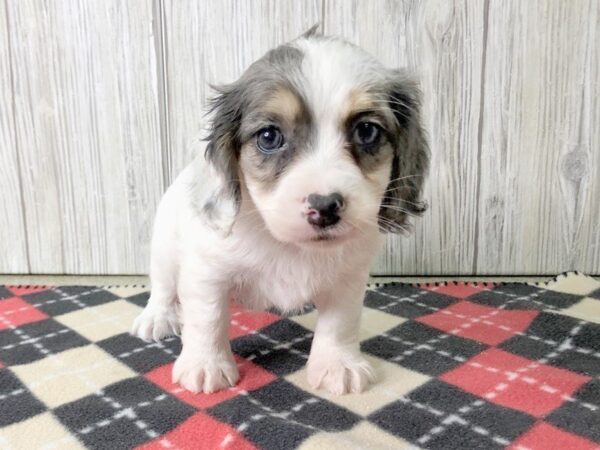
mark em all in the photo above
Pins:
pixel 324 209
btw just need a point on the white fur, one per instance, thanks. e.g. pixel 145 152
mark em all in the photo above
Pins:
pixel 196 270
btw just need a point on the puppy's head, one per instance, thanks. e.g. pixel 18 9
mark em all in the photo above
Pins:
pixel 326 141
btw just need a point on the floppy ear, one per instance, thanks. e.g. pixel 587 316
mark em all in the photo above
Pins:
pixel 222 152
pixel 411 156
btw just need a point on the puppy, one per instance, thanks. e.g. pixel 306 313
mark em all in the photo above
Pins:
pixel 313 154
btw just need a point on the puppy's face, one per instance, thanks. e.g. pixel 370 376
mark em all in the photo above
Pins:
pixel 322 136
pixel 317 172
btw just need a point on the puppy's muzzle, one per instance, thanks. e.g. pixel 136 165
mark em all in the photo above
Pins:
pixel 324 210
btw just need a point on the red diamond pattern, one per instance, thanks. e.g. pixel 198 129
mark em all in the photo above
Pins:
pixel 546 437
pixel 24 290
pixel 481 323
pixel 251 377
pixel 15 312
pixel 200 432
pixel 460 290
pixel 244 321
pixel 516 382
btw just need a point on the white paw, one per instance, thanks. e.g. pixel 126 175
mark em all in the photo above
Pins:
pixel 205 374
pixel 155 323
pixel 340 374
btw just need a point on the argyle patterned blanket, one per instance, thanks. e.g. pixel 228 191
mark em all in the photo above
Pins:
pixel 459 366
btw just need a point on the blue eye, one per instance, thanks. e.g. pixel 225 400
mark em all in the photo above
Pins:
pixel 269 139
pixel 366 133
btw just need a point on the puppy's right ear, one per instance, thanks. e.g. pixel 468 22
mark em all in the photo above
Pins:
pixel 222 153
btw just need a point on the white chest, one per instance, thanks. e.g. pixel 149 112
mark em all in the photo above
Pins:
pixel 286 280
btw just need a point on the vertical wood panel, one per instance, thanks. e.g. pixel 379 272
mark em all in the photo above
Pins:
pixel 13 246
pixel 540 188
pixel 214 41
pixel 442 41
pixel 109 97
pixel 88 131
pixel 588 241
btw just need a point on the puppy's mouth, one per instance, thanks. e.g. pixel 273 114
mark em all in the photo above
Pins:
pixel 329 237
pixel 324 237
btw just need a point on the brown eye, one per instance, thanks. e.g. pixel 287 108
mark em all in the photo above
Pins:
pixel 366 133
pixel 269 139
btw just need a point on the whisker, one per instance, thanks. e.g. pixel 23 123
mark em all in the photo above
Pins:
pixel 405 177
pixel 402 210
pixel 391 226
pixel 403 200
pixel 409 107
pixel 395 208
pixel 356 227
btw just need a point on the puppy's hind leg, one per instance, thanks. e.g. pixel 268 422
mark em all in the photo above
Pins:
pixel 160 316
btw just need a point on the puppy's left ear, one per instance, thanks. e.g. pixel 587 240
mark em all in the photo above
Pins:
pixel 222 154
pixel 402 198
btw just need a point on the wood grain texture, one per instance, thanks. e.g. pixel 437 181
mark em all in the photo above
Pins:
pixel 13 245
pixel 102 104
pixel 87 127
pixel 539 202
pixel 213 42
pixel 442 42
pixel 588 239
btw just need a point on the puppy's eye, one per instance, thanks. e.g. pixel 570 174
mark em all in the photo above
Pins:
pixel 366 133
pixel 269 139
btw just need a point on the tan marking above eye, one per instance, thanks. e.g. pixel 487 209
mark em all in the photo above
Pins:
pixel 363 102
pixel 284 104
pixel 359 100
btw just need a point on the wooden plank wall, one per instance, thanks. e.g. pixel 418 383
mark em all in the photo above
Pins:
pixel 87 130
pixel 13 242
pixel 101 102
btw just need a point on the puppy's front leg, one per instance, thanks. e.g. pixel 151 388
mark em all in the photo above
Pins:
pixel 335 361
pixel 206 362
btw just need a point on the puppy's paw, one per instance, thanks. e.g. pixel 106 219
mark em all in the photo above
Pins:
pixel 205 373
pixel 340 374
pixel 155 323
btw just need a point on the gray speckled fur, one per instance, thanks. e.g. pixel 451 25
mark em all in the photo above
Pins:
pixel 411 155
pixel 276 68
